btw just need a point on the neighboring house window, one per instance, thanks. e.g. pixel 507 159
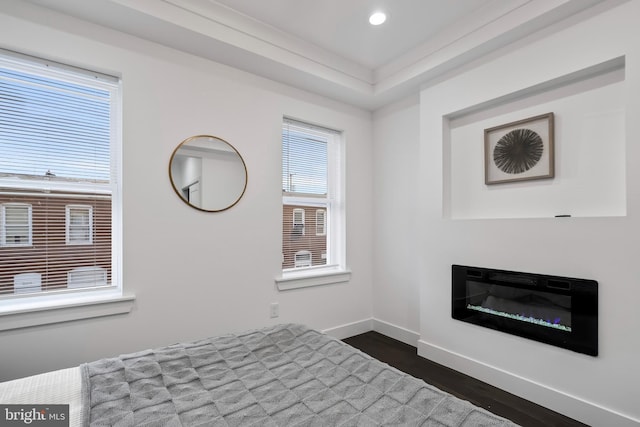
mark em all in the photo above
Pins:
pixel 321 224
pixel 303 259
pixel 311 198
pixel 59 168
pixel 16 225
pixel 298 222
pixel 79 221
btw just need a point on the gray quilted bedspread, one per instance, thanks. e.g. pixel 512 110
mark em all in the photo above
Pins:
pixel 286 375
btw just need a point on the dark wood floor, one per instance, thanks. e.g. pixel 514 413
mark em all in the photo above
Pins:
pixel 405 358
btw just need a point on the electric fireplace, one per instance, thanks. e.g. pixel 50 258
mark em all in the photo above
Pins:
pixel 560 311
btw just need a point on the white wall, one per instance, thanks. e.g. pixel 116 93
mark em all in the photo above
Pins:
pixel 396 220
pixel 589 156
pixel 597 390
pixel 194 274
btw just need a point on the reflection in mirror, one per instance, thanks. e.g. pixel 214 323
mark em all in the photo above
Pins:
pixel 208 173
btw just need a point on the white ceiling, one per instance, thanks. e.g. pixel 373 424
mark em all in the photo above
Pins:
pixel 328 46
pixel 342 26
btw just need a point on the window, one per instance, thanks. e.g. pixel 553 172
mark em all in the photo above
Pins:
pixel 313 208
pixel 303 259
pixel 81 277
pixel 321 228
pixel 79 225
pixel 59 163
pixel 16 225
pixel 298 222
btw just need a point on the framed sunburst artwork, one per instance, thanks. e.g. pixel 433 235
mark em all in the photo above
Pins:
pixel 519 151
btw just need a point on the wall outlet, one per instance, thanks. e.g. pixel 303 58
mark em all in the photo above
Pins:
pixel 275 310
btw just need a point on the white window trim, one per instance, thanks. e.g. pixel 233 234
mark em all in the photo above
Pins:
pixel 18 311
pixel 3 226
pixel 312 276
pixel 335 220
pixel 68 224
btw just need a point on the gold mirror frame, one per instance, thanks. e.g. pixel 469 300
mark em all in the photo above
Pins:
pixel 193 170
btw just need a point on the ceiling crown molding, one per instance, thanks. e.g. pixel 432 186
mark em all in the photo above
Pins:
pixel 217 32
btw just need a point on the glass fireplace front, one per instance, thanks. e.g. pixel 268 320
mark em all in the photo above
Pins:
pixel 555 310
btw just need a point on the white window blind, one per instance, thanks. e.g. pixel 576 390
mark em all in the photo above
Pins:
pixel 58 154
pixel 304 160
pixel 308 182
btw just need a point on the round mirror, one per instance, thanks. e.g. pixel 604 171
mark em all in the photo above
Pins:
pixel 208 173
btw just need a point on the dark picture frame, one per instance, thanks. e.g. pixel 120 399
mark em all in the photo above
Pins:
pixel 520 151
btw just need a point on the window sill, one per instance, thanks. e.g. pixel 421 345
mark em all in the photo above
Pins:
pixel 296 280
pixel 44 312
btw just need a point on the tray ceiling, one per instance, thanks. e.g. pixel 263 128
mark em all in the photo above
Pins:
pixel 328 46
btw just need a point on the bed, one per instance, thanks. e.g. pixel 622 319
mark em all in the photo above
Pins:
pixel 283 375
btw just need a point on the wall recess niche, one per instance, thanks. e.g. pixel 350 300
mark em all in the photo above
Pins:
pixel 590 138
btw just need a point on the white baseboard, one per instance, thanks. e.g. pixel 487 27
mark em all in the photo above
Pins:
pixel 396 332
pixel 350 329
pixel 571 406
pixel 372 324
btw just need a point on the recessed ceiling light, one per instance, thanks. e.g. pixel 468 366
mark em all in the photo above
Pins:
pixel 377 18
